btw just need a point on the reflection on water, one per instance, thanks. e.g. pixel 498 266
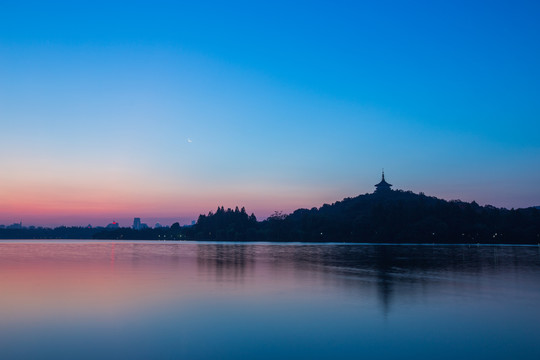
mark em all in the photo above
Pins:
pixel 227 300
pixel 225 262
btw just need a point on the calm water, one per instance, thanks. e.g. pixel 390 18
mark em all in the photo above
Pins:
pixel 79 299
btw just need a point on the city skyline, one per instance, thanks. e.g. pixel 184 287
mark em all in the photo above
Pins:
pixel 136 225
pixel 165 111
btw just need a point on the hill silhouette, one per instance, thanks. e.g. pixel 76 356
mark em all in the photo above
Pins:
pixel 392 216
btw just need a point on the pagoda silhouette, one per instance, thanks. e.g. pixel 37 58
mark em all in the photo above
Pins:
pixel 383 187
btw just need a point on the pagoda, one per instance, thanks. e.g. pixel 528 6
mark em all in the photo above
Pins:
pixel 383 186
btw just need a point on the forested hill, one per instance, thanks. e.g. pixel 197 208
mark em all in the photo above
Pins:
pixel 393 217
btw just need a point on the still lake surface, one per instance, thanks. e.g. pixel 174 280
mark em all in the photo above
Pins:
pixel 141 300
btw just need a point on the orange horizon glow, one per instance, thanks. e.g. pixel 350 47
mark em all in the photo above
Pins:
pixel 81 198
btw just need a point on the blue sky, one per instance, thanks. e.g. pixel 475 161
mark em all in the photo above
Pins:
pixel 166 110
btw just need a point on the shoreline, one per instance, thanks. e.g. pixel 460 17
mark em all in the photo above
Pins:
pixel 272 243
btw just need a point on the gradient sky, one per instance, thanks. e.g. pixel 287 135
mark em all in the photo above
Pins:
pixel 164 110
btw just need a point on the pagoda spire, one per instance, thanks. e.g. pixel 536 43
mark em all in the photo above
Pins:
pixel 383 186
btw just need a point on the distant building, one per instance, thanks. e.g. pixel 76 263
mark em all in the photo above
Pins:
pixel 157 226
pixel 113 225
pixel 383 186
pixel 144 226
pixel 193 222
pixel 137 224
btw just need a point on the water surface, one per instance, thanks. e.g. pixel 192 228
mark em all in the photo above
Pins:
pixel 140 300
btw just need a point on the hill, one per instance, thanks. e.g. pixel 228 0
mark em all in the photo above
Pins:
pixel 387 217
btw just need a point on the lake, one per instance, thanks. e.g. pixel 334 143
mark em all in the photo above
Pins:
pixel 188 300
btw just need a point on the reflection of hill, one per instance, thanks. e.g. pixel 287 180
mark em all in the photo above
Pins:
pixel 392 273
pixel 398 273
pixel 225 261
pixel 126 274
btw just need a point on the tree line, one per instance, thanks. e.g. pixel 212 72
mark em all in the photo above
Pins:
pixel 393 217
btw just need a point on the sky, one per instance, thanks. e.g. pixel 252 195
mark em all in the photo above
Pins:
pixel 166 110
